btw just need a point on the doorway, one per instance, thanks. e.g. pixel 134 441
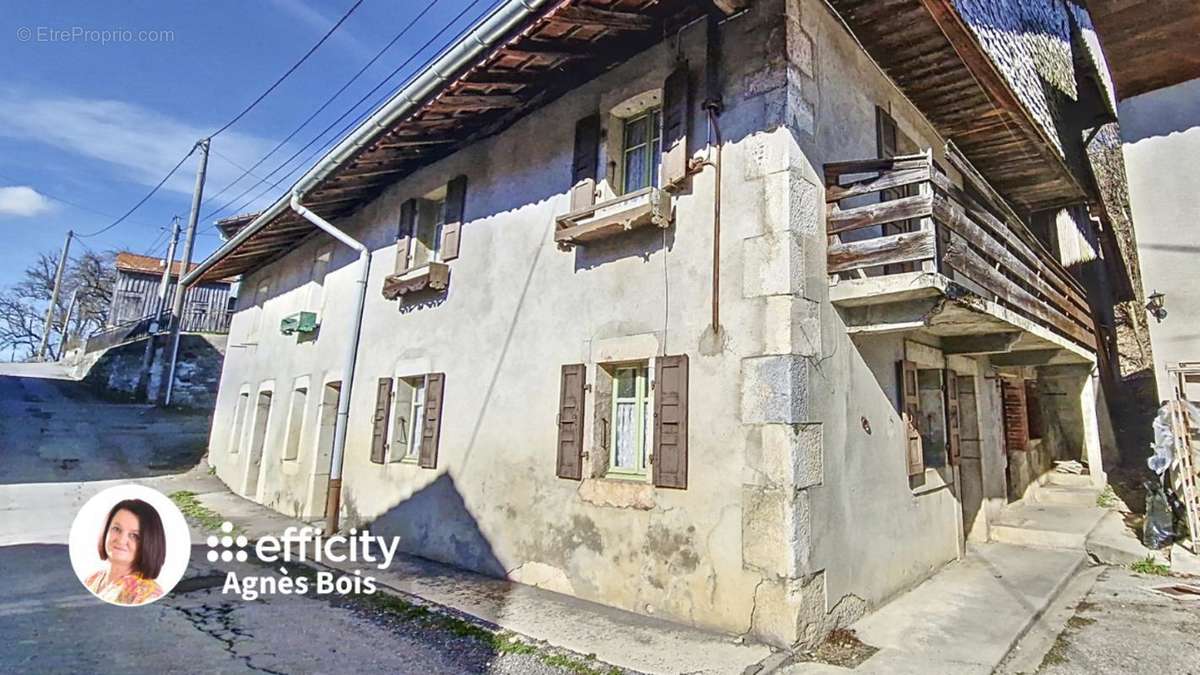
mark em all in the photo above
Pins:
pixel 326 424
pixel 970 461
pixel 258 441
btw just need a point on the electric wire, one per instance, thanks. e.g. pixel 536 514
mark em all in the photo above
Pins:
pixel 354 123
pixel 326 104
pixel 143 200
pixel 291 70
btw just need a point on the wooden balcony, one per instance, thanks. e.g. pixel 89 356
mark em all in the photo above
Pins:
pixel 904 239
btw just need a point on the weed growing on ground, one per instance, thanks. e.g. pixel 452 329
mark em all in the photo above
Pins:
pixel 1106 499
pixel 1150 566
pixel 194 510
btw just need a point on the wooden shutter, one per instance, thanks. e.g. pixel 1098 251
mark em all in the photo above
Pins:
pixel 910 413
pixel 456 196
pixel 583 163
pixel 1033 409
pixel 953 425
pixel 676 115
pixel 405 231
pixel 431 432
pixel 1016 425
pixel 570 422
pixel 671 421
pixel 383 408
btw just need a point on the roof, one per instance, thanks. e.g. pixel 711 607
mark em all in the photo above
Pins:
pixel 524 55
pixel 931 53
pixel 1154 42
pixel 233 224
pixel 144 264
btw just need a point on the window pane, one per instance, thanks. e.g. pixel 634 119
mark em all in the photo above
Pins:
pixel 635 169
pixel 418 417
pixel 626 383
pixel 647 438
pixel 626 437
pixel 635 131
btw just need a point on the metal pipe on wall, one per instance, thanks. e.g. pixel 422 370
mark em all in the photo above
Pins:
pixel 334 494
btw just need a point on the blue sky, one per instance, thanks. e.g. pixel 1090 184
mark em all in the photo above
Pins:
pixel 99 124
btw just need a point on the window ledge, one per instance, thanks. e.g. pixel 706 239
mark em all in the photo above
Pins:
pixel 434 275
pixel 648 206
pixel 617 493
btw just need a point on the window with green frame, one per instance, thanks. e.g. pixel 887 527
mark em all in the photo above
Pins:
pixel 630 447
pixel 641 147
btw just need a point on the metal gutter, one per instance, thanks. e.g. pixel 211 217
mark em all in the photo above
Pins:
pixel 469 49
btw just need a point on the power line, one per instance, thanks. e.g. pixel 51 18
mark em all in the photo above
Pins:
pixel 352 124
pixel 291 70
pixel 143 200
pixel 244 170
pixel 56 198
pixel 325 105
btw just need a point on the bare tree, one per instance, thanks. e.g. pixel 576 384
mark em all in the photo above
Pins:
pixel 23 305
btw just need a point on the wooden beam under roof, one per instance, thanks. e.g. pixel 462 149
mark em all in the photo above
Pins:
pixel 603 18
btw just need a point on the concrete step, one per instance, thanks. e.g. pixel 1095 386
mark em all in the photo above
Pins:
pixel 1068 479
pixel 1111 542
pixel 1066 495
pixel 1044 525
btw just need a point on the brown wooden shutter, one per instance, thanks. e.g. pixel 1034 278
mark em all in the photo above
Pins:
pixel 584 161
pixel 671 421
pixel 456 196
pixel 431 432
pixel 1033 409
pixel 676 115
pixel 910 413
pixel 570 421
pixel 383 408
pixel 953 425
pixel 405 231
pixel 1016 425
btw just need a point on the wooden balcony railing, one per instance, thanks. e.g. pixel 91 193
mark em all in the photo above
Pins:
pixel 924 223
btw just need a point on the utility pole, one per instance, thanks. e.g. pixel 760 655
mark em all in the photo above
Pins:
pixel 185 263
pixel 62 263
pixel 66 325
pixel 156 317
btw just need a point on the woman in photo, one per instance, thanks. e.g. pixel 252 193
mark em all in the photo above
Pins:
pixel 134 545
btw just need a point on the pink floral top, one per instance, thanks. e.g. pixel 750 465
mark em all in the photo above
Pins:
pixel 131 589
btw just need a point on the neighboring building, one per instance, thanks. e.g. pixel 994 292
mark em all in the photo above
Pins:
pixel 1158 83
pixel 206 307
pixel 764 405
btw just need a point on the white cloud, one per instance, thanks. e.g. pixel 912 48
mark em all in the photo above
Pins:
pixel 142 144
pixel 23 201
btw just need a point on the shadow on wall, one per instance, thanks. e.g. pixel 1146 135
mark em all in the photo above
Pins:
pixel 1161 113
pixel 435 523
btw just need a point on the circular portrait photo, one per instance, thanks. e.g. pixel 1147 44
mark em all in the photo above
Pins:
pixel 129 545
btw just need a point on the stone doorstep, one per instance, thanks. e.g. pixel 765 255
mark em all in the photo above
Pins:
pixel 1066 496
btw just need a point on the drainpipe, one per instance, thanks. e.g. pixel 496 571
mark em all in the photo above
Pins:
pixel 334 495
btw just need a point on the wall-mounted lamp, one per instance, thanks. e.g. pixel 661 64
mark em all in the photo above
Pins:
pixel 1157 306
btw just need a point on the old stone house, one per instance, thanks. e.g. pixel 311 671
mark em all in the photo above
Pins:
pixel 745 314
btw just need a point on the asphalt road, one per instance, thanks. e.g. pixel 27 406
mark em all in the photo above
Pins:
pixel 58 446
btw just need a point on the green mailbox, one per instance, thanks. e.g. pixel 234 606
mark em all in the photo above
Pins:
pixel 300 322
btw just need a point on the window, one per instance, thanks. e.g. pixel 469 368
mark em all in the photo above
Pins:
pixel 426 246
pixel 629 450
pixel 408 419
pixel 408 407
pixel 640 150
pixel 257 310
pixel 295 424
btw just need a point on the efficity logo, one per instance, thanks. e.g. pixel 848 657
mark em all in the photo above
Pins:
pixel 300 545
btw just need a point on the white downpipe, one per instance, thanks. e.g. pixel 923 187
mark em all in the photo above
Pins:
pixel 351 358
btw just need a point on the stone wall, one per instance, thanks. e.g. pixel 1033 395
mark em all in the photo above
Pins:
pixel 116 371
